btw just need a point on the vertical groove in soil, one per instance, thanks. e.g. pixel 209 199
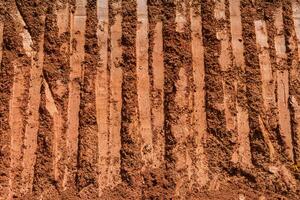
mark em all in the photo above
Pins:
pixel 292 43
pixel 1 40
pixel 177 73
pixel 11 40
pixel 38 159
pixel 115 92
pixel 143 83
pixel 268 85
pixel 171 75
pixel 31 128
pixel 242 153
pixel 156 73
pixel 225 62
pixel 19 101
pixel 86 179
pixel 56 71
pixel 43 169
pixel 181 127
pixel 267 56
pixel 102 94
pixel 131 158
pixel 199 159
pixel 218 144
pixel 282 82
pixel 77 53
pixel 259 151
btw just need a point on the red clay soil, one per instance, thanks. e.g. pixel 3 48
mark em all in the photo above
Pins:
pixel 137 99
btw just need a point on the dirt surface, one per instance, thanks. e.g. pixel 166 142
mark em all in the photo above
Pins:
pixel 142 99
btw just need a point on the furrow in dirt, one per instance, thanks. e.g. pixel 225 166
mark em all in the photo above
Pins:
pixel 131 157
pixel 16 123
pixel 115 99
pixel 156 71
pixel 242 153
pixel 1 40
pixel 177 59
pixel 200 168
pixel 102 94
pixel 154 176
pixel 270 117
pixel 268 86
pixel 18 106
pixel 54 113
pixel 284 114
pixel 50 74
pixel 282 78
pixel 56 71
pixel 31 128
pixel 77 42
pixel 171 74
pixel 88 149
pixel 143 83
pixel 43 186
pixel 187 65
pixel 11 40
pixel 279 119
pixel 260 152
pixel 229 82
pixel 180 128
pixel 292 35
pixel 226 66
pixel 218 139
pixel 158 116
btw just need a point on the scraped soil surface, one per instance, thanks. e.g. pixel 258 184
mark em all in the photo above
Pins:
pixel 142 99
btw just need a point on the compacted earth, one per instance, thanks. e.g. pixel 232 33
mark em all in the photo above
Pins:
pixel 149 99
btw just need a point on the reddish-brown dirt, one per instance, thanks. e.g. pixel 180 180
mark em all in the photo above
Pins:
pixel 150 99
